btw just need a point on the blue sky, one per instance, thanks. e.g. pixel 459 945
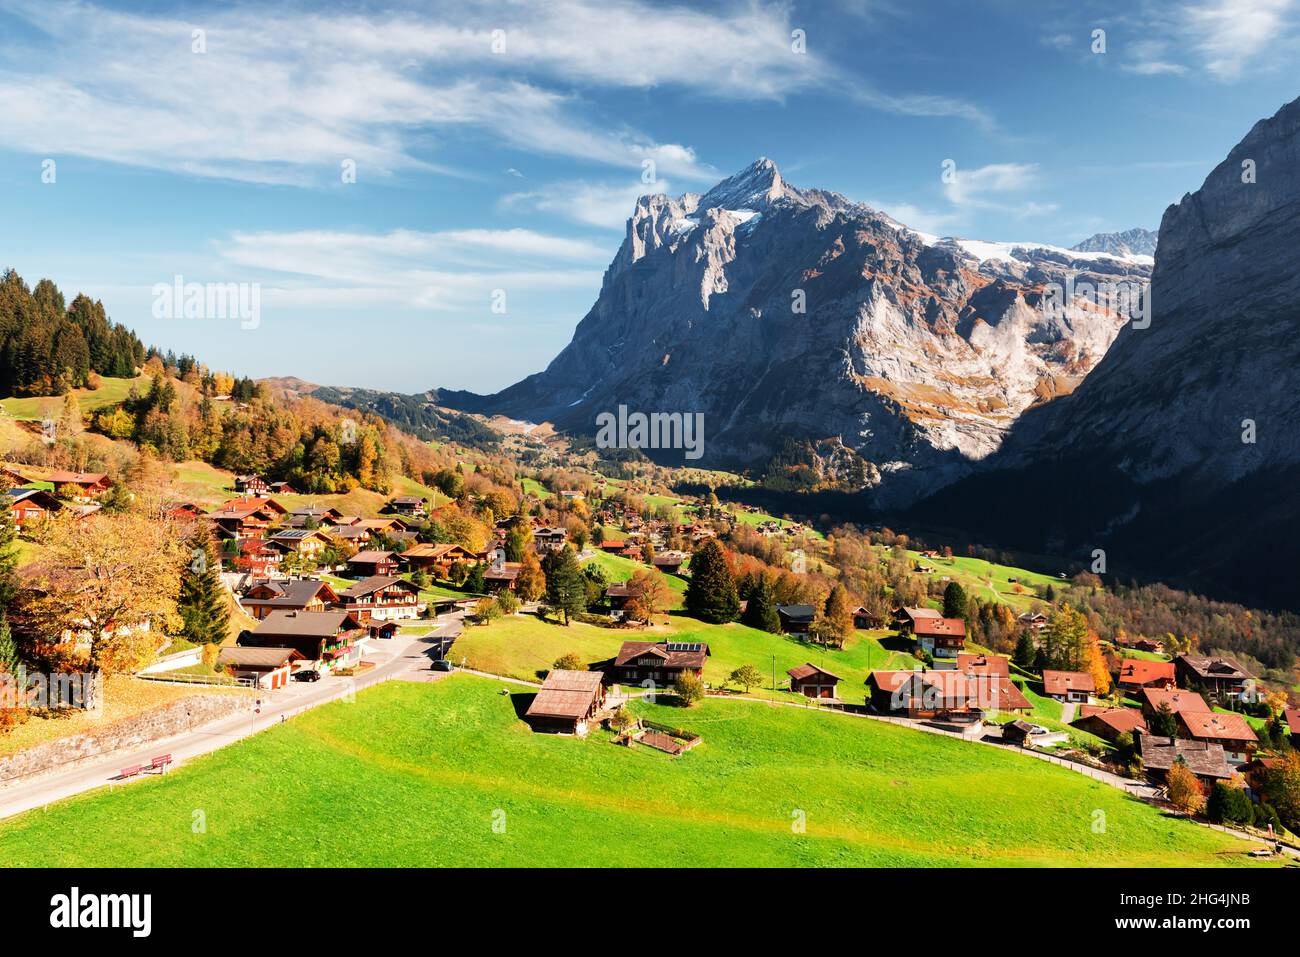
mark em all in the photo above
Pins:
pixel 500 145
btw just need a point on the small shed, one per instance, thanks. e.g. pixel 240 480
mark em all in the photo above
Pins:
pixel 1017 732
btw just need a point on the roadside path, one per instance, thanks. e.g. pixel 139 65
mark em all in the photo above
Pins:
pixel 393 658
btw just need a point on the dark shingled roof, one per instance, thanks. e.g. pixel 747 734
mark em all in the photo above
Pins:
pixel 1202 758
pixel 566 694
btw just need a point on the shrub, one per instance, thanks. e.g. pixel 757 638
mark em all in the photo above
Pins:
pixel 689 687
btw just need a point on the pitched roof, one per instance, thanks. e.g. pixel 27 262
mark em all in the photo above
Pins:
pixel 566 694
pixel 676 654
pixel 370 555
pixel 915 613
pixel 1201 757
pixel 952 689
pixel 807 670
pixel 368 586
pixel 1178 700
pixel 1060 682
pixel 298 593
pixel 1211 724
pixel 1208 667
pixel 1120 720
pixel 41 497
pixel 984 664
pixel 1292 718
pixel 797 612
pixel 1140 671
pixel 268 657
pixel 308 624
pixel 951 627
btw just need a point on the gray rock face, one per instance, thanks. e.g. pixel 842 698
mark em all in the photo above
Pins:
pixel 786 313
pixel 1131 242
pixel 1224 342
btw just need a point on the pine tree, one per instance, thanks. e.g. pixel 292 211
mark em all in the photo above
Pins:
pixel 839 614
pixel 1024 654
pixel 474 581
pixel 565 589
pixel 202 603
pixel 954 601
pixel 711 594
pixel 760 611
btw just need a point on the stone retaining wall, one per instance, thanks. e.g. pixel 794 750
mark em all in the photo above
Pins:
pixel 179 716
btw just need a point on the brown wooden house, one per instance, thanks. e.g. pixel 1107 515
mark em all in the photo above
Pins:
pixel 813 682
pixel 567 702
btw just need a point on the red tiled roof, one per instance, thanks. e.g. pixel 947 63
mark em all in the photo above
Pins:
pixel 1178 700
pixel 1292 717
pixel 1121 720
pixel 983 664
pixel 947 627
pixel 808 670
pixel 1218 727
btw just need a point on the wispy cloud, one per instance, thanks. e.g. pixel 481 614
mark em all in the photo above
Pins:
pixel 603 204
pixel 285 97
pixel 1225 38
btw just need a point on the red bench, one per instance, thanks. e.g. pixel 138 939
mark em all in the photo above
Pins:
pixel 130 772
pixel 160 763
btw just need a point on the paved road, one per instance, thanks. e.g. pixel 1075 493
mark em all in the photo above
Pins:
pixel 406 656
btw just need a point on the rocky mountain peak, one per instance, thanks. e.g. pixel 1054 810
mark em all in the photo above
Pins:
pixel 1130 242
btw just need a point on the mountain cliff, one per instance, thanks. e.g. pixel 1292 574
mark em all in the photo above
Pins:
pixel 784 313
pixel 1182 448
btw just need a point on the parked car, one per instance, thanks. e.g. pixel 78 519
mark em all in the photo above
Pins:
pixel 308 674
pixel 1038 729
pixel 441 664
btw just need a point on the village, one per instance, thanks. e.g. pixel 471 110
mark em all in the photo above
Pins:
pixel 608 595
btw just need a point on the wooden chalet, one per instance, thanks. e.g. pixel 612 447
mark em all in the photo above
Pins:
pixel 266 667
pixel 1151 699
pixel 567 702
pixel 382 596
pixel 796 619
pixel 812 682
pixel 862 618
pixel 438 558
pixel 327 638
pixel 1220 678
pixel 1205 760
pixel 257 559
pixel 929 694
pixel 89 485
pixel 984 665
pixel 1230 731
pixel 251 484
pixel 1069 686
pixel 670 563
pixel 264 598
pixel 412 505
pixel 618 595
pixel 658 662
pixel 1150 645
pixel 31 506
pixel 1109 723
pixel 307 542
pixel 502 576
pixel 239 522
pixel 368 564
pixel 548 539
pixel 1138 673
pixel 906 618
pixel 940 637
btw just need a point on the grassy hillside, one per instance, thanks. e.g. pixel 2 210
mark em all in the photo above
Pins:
pixel 524 646
pixel 447 775
pixel 110 392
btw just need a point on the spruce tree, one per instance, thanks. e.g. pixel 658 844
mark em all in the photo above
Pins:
pixel 565 586
pixel 954 601
pixel 760 612
pixel 202 604
pixel 711 594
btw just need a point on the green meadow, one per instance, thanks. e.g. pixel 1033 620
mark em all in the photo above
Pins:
pixel 447 774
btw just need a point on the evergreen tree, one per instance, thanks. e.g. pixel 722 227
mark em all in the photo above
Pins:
pixel 760 612
pixel 954 601
pixel 8 648
pixel 474 581
pixel 565 587
pixel 1024 653
pixel 711 593
pixel 202 604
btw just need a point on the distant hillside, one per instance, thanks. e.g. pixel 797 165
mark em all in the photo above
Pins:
pixel 416 414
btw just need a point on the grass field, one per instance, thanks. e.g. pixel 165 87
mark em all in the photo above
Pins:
pixel 208 485
pixel 989 581
pixel 447 775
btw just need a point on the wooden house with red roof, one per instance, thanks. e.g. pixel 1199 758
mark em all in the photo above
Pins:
pixel 1138 673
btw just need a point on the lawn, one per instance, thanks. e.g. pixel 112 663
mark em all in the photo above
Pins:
pixel 445 774
pixel 989 581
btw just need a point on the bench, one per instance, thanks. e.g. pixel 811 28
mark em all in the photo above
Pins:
pixel 160 763
pixel 130 772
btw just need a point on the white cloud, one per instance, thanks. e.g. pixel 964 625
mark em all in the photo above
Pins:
pixel 973 187
pixel 607 205
pixel 1224 38
pixel 1228 34
pixel 284 97
pixel 337 268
